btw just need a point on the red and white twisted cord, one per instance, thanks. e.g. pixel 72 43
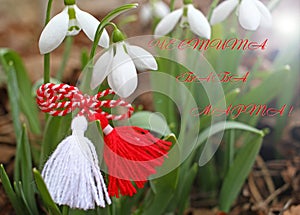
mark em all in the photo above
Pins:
pixel 61 99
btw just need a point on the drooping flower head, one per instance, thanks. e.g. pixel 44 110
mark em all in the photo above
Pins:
pixel 155 8
pixel 251 13
pixel 120 63
pixel 189 17
pixel 69 22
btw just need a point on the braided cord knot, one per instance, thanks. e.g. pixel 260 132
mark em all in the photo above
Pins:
pixel 61 99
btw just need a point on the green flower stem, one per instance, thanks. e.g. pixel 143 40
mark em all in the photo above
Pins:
pixel 69 2
pixel 172 5
pixel 172 113
pixel 99 32
pixel 187 130
pixel 212 7
pixel 231 147
pixel 172 110
pixel 65 210
pixel 47 68
pixel 68 46
pixel 187 2
pixel 106 21
pixel 89 67
pixel 47 56
pixel 48 12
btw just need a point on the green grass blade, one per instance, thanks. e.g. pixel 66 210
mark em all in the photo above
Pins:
pixel 9 190
pixel 287 56
pixel 166 182
pixel 24 199
pixel 129 203
pixel 24 163
pixel 267 90
pixel 286 96
pixel 218 127
pixel 21 203
pixel 56 130
pixel 186 187
pixel 12 63
pixel 229 150
pixel 84 58
pixel 44 193
pixel 159 203
pixel 229 98
pixel 65 58
pixel 14 96
pixel 164 187
pixel 207 154
pixel 238 173
pixel 150 121
pixel 65 210
pixel 82 212
pixel 13 92
pixel 170 180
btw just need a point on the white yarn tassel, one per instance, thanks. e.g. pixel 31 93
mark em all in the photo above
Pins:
pixel 72 173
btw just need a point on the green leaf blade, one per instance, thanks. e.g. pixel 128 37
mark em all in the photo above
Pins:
pixel 150 121
pixel 18 78
pixel 56 128
pixel 238 173
pixel 9 190
pixel 23 165
pixel 52 207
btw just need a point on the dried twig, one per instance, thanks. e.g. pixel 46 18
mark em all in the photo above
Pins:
pixel 264 204
pixel 266 174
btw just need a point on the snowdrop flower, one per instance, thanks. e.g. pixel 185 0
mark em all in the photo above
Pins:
pixel 119 64
pixel 251 13
pixel 155 8
pixel 69 22
pixel 190 17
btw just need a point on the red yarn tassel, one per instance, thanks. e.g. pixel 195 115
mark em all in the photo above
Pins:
pixel 131 155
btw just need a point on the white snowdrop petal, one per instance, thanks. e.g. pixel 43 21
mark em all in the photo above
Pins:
pixel 89 25
pixel 222 11
pixel 104 39
pixel 249 15
pixel 167 24
pixel 161 9
pixel 266 17
pixel 123 78
pixel 123 83
pixel 145 14
pixel 102 68
pixel 142 59
pixel 54 32
pixel 198 22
